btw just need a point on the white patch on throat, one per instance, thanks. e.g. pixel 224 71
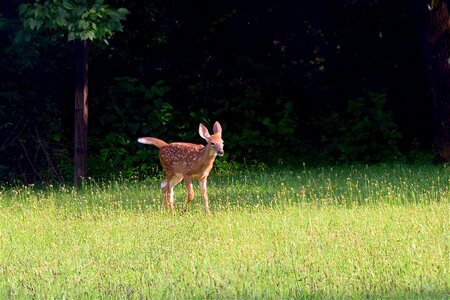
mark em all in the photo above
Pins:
pixel 212 152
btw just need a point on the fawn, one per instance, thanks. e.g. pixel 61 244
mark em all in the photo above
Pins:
pixel 187 161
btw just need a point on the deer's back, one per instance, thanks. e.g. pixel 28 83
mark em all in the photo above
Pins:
pixel 184 158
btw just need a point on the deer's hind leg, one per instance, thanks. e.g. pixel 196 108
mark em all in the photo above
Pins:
pixel 167 189
pixel 190 190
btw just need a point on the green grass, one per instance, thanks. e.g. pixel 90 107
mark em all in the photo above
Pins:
pixel 358 232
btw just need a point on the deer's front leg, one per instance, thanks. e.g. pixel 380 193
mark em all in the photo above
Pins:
pixel 202 183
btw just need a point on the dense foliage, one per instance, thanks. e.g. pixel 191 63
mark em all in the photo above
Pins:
pixel 291 82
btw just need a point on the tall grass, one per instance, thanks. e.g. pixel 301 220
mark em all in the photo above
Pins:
pixel 379 231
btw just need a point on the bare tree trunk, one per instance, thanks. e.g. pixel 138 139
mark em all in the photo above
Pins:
pixel 438 62
pixel 81 110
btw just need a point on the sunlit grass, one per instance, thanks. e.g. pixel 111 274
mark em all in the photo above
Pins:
pixel 325 233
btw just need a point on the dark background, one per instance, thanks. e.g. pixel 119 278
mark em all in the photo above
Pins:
pixel 292 82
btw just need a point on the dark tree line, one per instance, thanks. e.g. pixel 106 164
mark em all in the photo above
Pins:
pixel 291 81
pixel 436 25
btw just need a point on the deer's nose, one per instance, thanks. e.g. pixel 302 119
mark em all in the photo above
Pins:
pixel 220 152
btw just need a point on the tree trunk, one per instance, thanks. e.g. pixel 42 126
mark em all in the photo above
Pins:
pixel 438 63
pixel 81 110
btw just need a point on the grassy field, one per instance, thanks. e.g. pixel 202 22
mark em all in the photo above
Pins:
pixel 357 232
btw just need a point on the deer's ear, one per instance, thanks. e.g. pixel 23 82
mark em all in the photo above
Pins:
pixel 203 131
pixel 217 128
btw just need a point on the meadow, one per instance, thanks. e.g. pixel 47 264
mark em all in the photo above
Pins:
pixel 334 232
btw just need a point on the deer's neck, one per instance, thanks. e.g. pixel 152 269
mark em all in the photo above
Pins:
pixel 208 154
pixel 205 160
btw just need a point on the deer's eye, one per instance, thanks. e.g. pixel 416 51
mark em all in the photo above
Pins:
pixel 213 144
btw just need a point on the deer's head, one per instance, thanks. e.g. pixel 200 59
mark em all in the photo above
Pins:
pixel 214 141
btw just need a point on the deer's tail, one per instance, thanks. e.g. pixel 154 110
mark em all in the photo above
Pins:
pixel 152 141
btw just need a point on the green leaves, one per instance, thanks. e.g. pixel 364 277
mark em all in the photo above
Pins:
pixel 84 20
pixel 365 131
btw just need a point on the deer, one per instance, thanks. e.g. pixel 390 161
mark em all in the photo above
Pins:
pixel 187 161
